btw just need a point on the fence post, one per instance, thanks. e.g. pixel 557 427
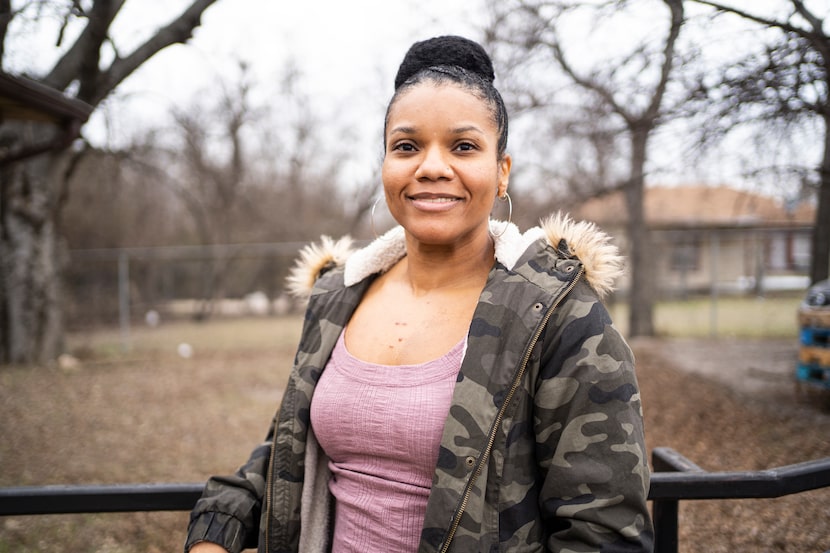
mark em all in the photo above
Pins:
pixel 124 299
pixel 714 248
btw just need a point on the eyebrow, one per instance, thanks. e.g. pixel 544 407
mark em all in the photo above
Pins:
pixel 457 130
pixel 404 130
pixel 468 128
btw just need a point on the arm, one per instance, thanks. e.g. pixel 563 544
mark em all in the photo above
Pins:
pixel 590 442
pixel 207 547
pixel 228 512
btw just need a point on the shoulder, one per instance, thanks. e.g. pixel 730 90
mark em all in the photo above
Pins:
pixel 342 258
pixel 316 259
pixel 594 248
pixel 560 244
pixel 558 239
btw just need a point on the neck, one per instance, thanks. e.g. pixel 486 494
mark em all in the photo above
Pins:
pixel 429 268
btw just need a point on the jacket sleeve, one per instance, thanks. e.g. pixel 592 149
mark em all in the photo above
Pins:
pixel 589 436
pixel 228 512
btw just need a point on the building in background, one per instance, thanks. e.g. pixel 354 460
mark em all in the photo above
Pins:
pixel 735 240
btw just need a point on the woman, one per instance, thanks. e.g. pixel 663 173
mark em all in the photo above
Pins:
pixel 458 385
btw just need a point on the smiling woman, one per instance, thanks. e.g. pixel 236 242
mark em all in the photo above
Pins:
pixel 442 171
pixel 458 385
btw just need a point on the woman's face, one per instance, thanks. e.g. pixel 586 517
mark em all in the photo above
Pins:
pixel 441 171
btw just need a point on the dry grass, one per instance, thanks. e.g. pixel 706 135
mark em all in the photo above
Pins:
pixel 148 415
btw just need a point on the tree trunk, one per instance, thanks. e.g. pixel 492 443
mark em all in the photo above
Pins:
pixel 820 261
pixel 31 191
pixel 641 292
pixel 30 251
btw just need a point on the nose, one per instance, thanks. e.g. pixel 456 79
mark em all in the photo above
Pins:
pixel 434 165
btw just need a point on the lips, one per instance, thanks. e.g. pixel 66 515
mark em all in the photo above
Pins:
pixel 433 202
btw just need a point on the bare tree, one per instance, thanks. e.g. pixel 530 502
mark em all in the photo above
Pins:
pixel 247 171
pixel 785 82
pixel 132 207
pixel 33 189
pixel 620 90
pixel 213 161
pixel 305 152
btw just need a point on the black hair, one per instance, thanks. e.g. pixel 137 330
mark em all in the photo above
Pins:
pixel 452 59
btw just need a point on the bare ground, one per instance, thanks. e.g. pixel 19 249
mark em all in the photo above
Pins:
pixel 725 404
pixel 732 405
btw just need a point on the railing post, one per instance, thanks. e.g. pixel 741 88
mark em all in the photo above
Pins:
pixel 665 516
pixel 665 512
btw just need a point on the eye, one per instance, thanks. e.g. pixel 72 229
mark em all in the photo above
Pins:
pixel 403 147
pixel 466 147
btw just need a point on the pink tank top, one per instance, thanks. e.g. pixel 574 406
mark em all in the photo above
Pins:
pixel 381 428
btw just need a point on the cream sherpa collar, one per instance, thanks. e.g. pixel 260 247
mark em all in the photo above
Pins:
pixel 603 265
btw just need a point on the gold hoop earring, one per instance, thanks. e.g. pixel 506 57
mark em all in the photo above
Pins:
pixel 505 198
pixel 372 218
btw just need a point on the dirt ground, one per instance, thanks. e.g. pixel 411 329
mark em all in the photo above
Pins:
pixel 732 405
pixel 725 404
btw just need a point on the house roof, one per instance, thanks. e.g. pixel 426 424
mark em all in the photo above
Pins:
pixel 698 206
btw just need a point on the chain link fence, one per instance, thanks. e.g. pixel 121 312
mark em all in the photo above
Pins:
pixel 110 287
pixel 106 287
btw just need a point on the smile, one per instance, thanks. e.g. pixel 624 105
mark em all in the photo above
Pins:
pixel 436 200
pixel 433 203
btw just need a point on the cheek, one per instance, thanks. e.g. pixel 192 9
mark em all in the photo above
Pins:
pixel 393 175
pixel 386 173
pixel 487 180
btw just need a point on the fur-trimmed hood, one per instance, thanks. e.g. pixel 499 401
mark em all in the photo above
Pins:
pixel 583 240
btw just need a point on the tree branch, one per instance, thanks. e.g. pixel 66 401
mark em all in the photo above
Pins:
pixel 816 23
pixel 677 18
pixel 100 18
pixel 177 32
pixel 5 18
pixel 589 84
pixel 78 61
pixel 756 18
pixel 815 35
pixel 653 109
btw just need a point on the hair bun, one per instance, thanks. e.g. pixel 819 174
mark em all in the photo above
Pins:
pixel 445 50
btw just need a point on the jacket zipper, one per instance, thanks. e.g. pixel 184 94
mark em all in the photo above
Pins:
pixel 492 438
pixel 269 483
pixel 269 494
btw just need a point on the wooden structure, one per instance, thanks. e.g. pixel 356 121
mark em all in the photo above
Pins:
pixel 23 99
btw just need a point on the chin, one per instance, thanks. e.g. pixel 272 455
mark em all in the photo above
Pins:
pixel 439 235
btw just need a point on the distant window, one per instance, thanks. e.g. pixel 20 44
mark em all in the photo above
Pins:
pixel 789 251
pixel 778 252
pixel 685 253
pixel 801 251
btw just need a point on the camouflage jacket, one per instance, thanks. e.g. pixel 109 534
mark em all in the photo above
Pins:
pixel 543 447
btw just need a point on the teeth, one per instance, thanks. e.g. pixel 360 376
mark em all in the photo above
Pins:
pixel 436 200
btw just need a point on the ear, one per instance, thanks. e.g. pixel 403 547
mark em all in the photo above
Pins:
pixel 504 174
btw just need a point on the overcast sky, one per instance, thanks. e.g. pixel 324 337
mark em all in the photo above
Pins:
pixel 348 52
pixel 343 48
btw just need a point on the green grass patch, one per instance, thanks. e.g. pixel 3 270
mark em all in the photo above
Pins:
pixel 733 317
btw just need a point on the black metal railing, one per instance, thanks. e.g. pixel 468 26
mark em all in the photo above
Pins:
pixel 675 479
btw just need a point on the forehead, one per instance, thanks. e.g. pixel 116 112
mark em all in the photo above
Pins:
pixel 446 101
